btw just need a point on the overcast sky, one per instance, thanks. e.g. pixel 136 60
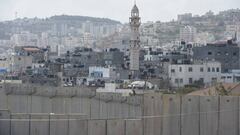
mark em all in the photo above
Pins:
pixel 150 10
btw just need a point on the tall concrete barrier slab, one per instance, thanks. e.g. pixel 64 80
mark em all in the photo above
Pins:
pixel 4 122
pixel 61 105
pixel 208 115
pixel 190 115
pixel 75 105
pixel 117 98
pixel 229 116
pixel 135 106
pixel 134 127
pixel 97 127
pixel 85 106
pixel 104 101
pixel 116 127
pixel 152 114
pixel 171 115
pixel 124 108
pixel 39 124
pixel 20 124
pixel 68 105
pixel 95 107
pixel 59 124
pixel 19 103
pixel 78 125
pixel 40 104
pixel 3 100
pixel 114 106
pixel 58 105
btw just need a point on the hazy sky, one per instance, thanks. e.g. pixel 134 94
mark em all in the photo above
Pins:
pixel 150 10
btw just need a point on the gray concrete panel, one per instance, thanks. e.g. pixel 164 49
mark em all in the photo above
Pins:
pixel 190 115
pixel 97 127
pixel 20 124
pixel 229 116
pixel 78 125
pixel 59 124
pixel 39 124
pixel 19 103
pixel 115 127
pixel 133 127
pixel 3 100
pixel 124 108
pixel 4 122
pixel 152 113
pixel 75 105
pixel 95 107
pixel 171 115
pixel 104 101
pixel 41 104
pixel 208 115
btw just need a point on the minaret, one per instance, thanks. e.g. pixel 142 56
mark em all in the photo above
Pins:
pixel 135 38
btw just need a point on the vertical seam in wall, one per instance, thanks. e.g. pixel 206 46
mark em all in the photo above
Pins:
pixel 237 116
pixel 106 126
pixel 29 123
pixel 218 120
pixel 199 115
pixel 49 125
pixel 143 118
pixel 125 128
pixel 180 121
pixel 161 113
pixel 10 129
pixel 68 126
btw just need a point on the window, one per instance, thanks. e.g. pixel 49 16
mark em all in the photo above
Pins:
pixel 190 69
pixel 209 69
pixel 173 70
pixel 214 79
pixel 181 80
pixel 226 53
pixel 209 53
pixel 218 70
pixel 201 69
pixel 201 80
pixel 176 80
pixel 190 80
pixel 229 77
pixel 235 54
pixel 218 53
pixel 180 69
pixel 213 69
pixel 19 59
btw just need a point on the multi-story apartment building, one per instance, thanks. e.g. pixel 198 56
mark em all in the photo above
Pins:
pixel 188 74
pixel 188 34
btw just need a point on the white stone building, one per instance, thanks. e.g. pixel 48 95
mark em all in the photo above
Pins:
pixel 188 34
pixel 231 77
pixel 187 74
pixel 232 31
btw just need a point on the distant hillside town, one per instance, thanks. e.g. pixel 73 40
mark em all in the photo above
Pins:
pixel 193 52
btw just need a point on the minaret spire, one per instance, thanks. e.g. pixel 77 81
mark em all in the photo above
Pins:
pixel 135 2
pixel 135 38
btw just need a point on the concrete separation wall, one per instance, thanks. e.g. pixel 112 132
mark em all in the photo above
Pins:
pixel 82 111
